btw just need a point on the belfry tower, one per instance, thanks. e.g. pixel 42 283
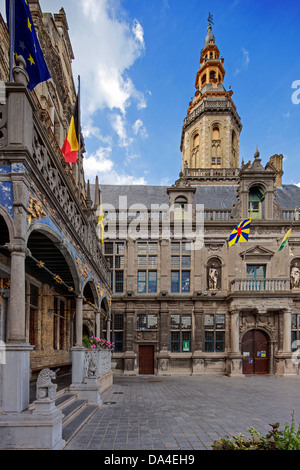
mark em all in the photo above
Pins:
pixel 211 130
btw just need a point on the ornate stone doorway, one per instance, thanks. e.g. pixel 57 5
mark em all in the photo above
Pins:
pixel 255 351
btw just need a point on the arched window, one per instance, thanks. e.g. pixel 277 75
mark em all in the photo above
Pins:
pixel 203 79
pixel 195 140
pixel 216 133
pixel 216 149
pixel 256 203
pixel 212 75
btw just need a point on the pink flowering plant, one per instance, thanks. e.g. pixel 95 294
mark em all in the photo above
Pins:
pixel 94 343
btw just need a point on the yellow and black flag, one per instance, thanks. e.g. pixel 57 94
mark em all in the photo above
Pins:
pixel 71 145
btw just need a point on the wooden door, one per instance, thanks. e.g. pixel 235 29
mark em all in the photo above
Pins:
pixel 146 360
pixel 255 352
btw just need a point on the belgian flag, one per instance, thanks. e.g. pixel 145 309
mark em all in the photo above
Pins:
pixel 71 145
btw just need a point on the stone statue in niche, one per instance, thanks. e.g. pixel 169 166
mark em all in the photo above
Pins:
pixel 295 275
pixel 214 275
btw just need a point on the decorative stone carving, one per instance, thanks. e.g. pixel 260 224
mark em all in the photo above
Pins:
pixel 214 274
pixel 45 389
pixel 92 369
pixel 295 274
pixel 35 210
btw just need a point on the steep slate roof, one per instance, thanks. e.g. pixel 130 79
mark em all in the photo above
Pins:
pixel 212 196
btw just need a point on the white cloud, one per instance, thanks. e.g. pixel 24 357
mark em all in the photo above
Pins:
pixel 104 61
pixel 119 125
pixel 139 128
pixel 138 32
pixel 101 164
pixel 98 163
pixel 245 61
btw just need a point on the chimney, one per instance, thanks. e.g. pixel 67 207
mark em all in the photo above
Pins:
pixel 276 161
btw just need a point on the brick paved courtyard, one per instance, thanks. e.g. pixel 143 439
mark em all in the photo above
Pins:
pixel 186 413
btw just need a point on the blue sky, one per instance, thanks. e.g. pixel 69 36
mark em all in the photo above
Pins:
pixel 138 61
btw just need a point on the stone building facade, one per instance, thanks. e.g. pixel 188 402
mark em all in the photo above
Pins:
pixel 186 304
pixel 54 279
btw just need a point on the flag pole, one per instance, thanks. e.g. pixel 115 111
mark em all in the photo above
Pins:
pixel 79 142
pixel 11 38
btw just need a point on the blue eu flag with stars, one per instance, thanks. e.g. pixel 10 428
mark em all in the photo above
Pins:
pixel 26 43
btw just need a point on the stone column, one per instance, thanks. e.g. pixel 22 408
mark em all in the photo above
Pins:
pixel 79 309
pixel 234 325
pixel 129 355
pixel 284 364
pixel 234 364
pixel 98 328
pixel 198 355
pixel 287 331
pixel 163 356
pixel 17 367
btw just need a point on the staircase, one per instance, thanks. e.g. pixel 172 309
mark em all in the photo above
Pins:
pixel 76 413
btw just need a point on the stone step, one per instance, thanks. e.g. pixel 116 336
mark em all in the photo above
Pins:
pixel 71 409
pixel 63 400
pixel 75 424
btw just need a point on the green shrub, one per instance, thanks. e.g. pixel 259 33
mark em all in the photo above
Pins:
pixel 287 438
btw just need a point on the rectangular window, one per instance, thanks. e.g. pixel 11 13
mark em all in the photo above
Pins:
pixel 180 334
pixel 147 259
pixel 295 323
pixel 141 281
pixel 175 276
pixel 152 282
pixel 119 282
pixel 118 333
pixel 146 321
pixel 214 333
pixel 185 281
pixel 114 255
pixel 59 324
pixel 180 265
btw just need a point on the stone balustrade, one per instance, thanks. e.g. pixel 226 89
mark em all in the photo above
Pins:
pixel 270 285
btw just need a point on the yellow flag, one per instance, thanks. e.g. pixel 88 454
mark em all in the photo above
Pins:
pixel 100 223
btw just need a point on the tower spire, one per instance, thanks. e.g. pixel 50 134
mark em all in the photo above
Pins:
pixel 210 135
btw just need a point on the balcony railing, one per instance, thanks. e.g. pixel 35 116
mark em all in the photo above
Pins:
pixel 270 285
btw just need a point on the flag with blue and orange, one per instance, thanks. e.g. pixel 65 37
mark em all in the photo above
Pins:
pixel 26 43
pixel 240 233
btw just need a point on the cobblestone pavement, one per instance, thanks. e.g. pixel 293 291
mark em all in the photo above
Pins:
pixel 186 413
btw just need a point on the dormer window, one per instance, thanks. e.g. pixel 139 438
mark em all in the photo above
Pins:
pixel 181 208
pixel 256 203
